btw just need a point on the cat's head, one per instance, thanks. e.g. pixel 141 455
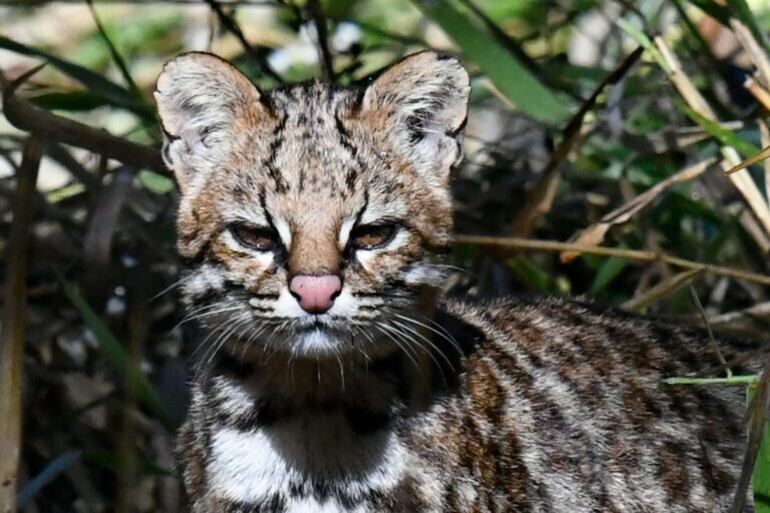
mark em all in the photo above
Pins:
pixel 311 215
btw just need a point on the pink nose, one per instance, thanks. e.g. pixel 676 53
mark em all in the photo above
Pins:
pixel 315 293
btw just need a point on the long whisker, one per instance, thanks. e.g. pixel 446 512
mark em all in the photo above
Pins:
pixel 404 349
pixel 428 341
pixel 442 332
pixel 426 351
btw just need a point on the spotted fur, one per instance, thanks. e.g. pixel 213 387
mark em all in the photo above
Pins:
pixel 398 399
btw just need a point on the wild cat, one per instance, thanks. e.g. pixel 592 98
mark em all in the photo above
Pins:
pixel 338 377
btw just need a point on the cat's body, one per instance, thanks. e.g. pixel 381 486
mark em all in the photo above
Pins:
pixel 556 407
pixel 334 378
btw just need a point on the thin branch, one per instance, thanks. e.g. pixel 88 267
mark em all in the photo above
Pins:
pixel 50 127
pixel 757 415
pixel 116 57
pixel 712 340
pixel 541 198
pixel 14 321
pixel 660 290
pixel 322 34
pixel 231 26
pixel 516 243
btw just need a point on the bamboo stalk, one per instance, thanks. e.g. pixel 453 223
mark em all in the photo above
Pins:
pixel 14 320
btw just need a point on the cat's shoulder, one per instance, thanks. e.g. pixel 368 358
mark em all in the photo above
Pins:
pixel 555 328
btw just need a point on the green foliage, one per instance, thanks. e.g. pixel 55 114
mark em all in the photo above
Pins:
pixel 116 355
pixel 509 75
pixel 527 83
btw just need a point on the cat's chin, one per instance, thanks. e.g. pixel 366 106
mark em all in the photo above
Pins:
pixel 319 341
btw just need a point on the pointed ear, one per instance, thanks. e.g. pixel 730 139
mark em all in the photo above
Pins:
pixel 203 102
pixel 424 99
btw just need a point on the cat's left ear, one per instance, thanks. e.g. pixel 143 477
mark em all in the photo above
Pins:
pixel 422 101
pixel 203 103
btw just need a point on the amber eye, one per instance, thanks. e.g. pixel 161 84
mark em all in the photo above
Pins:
pixel 258 238
pixel 372 236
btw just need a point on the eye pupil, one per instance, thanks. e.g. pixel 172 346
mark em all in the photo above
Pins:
pixel 372 236
pixel 258 238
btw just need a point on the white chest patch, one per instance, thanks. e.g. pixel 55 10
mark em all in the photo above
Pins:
pixel 256 466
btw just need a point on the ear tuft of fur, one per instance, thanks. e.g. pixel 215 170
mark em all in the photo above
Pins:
pixel 201 100
pixel 425 99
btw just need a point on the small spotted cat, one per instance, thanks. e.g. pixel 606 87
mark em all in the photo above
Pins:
pixel 336 376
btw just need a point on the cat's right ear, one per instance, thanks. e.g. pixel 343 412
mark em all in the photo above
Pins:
pixel 203 102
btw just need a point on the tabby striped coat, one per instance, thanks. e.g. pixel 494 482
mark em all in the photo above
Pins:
pixel 335 376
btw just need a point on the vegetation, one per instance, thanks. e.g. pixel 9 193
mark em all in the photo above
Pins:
pixel 603 159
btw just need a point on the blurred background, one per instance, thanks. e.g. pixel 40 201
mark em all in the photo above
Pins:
pixel 596 149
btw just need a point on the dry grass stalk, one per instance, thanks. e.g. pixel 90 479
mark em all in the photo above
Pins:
pixel 754 51
pixel 540 200
pixel 14 321
pixel 764 134
pixel 695 100
pixel 760 310
pixel 757 415
pixel 661 290
pixel 760 93
pixel 515 244
pixel 50 127
pixel 594 234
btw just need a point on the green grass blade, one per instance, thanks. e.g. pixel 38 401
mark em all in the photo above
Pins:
pixel 760 477
pixel 716 11
pixel 723 135
pixel 116 355
pixel 155 183
pixel 509 75
pixel 116 57
pixel 610 269
pixel 93 81
pixel 69 101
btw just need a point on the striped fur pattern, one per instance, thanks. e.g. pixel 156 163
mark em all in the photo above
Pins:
pixel 399 399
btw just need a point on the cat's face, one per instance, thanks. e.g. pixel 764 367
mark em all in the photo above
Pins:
pixel 311 215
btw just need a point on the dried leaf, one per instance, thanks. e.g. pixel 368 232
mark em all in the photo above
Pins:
pixel 594 234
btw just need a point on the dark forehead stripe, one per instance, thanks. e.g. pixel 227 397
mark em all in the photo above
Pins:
pixel 279 182
pixel 310 113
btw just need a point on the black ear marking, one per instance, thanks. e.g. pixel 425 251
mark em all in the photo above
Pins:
pixel 425 97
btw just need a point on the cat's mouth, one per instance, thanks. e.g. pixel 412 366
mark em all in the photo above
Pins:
pixel 318 335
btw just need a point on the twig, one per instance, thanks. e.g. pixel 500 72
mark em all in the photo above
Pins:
pixel 758 92
pixel 595 233
pixel 764 136
pixel 660 290
pixel 50 127
pixel 759 157
pixel 516 243
pixel 539 201
pixel 322 34
pixel 753 49
pixel 712 340
pixel 14 321
pixel 754 311
pixel 684 85
pixel 231 26
pixel 758 410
